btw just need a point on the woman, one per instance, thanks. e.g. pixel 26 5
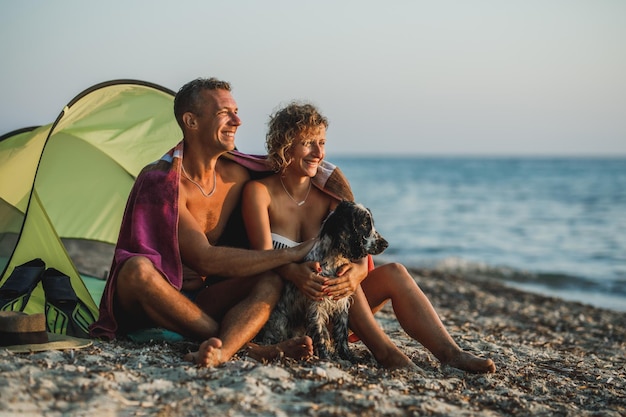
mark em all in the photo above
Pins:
pixel 285 208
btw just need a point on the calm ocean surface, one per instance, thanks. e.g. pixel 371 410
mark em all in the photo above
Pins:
pixel 556 226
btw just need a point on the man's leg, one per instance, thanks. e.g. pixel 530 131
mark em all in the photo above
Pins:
pixel 243 306
pixel 144 296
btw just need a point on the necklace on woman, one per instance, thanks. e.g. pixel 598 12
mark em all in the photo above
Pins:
pixel 299 203
pixel 204 193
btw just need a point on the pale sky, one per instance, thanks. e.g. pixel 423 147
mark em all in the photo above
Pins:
pixel 441 77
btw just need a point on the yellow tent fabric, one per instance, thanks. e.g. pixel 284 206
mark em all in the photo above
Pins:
pixel 71 179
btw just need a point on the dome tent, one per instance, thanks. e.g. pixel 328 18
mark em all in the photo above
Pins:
pixel 68 181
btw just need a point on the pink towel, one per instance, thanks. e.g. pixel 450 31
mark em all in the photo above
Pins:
pixel 150 229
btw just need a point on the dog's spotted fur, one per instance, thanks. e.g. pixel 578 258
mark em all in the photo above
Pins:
pixel 347 234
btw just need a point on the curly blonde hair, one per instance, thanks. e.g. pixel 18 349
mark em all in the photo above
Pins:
pixel 285 126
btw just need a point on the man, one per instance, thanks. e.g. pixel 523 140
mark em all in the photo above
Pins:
pixel 177 212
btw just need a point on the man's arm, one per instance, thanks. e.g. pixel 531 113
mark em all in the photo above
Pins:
pixel 206 259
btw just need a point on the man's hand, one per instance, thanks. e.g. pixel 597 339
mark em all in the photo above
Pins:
pixel 191 279
pixel 348 279
pixel 302 250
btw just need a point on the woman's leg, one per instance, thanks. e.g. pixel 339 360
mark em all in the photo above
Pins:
pixel 417 316
pixel 365 326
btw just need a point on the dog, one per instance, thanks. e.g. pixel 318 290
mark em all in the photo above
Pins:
pixel 347 234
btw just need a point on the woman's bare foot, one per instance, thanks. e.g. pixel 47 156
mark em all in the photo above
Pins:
pixel 396 359
pixel 471 363
pixel 399 363
pixel 209 353
pixel 300 348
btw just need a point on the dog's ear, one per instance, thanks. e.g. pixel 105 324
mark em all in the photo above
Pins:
pixel 344 243
pixel 333 222
pixel 358 229
pixel 338 228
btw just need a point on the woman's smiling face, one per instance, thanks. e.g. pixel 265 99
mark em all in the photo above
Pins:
pixel 308 151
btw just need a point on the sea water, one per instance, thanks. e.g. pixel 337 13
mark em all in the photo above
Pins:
pixel 556 226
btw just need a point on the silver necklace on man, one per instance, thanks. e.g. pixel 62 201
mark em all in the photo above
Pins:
pixel 299 203
pixel 204 193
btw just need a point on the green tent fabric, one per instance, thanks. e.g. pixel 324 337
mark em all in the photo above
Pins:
pixel 69 180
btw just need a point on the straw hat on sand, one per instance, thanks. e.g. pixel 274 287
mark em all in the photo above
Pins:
pixel 21 332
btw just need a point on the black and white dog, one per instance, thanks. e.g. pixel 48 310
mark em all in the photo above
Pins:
pixel 346 235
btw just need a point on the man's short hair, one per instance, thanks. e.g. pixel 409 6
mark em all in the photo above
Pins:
pixel 189 99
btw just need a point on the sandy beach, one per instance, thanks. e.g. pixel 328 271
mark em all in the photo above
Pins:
pixel 554 358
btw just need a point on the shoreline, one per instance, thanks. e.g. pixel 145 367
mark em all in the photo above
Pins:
pixel 594 299
pixel 582 290
pixel 553 357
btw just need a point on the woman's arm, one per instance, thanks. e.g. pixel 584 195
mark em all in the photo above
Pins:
pixel 256 201
pixel 255 210
pixel 349 277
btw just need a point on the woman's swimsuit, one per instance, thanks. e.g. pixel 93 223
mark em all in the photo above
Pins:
pixel 281 242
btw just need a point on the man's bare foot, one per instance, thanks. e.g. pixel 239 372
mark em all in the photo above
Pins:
pixel 471 363
pixel 300 348
pixel 209 353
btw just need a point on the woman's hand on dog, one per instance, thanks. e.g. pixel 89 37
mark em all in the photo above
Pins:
pixel 348 279
pixel 305 276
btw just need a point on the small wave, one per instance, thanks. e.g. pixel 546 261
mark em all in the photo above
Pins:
pixel 550 280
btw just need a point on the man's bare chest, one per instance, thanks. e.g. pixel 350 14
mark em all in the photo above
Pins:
pixel 212 213
pixel 210 218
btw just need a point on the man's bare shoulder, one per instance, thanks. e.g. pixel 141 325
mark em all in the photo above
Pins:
pixel 233 171
pixel 264 184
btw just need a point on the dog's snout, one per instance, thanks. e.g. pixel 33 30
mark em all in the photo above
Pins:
pixel 381 243
pixel 377 244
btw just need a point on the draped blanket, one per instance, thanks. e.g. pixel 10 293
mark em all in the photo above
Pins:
pixel 150 223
